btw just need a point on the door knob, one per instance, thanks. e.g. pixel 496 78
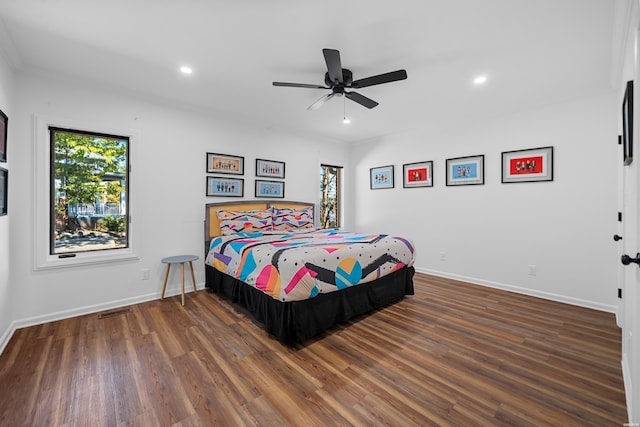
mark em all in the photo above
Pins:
pixel 626 259
pixel 616 237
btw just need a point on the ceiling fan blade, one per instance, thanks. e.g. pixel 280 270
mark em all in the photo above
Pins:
pixel 309 86
pixel 361 99
pixel 379 79
pixel 334 66
pixel 320 102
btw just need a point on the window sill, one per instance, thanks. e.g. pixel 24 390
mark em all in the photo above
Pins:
pixel 88 258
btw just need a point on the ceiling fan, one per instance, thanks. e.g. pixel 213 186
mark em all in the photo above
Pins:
pixel 338 79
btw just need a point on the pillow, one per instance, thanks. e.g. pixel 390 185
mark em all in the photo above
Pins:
pixel 232 222
pixel 287 219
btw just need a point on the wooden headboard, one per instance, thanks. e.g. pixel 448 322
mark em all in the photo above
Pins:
pixel 212 226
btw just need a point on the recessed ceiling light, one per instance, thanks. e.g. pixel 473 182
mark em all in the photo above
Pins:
pixel 480 80
pixel 186 70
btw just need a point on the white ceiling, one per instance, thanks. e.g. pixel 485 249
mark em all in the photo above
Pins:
pixel 534 52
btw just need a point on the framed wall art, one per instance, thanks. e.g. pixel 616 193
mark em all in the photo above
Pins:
pixel 273 189
pixel 418 174
pixel 4 124
pixel 4 185
pixel 381 177
pixel 465 170
pixel 531 165
pixel 627 123
pixel 225 187
pixel 269 168
pixel 224 163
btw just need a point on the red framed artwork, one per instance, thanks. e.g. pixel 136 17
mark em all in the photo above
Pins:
pixel 531 165
pixel 418 174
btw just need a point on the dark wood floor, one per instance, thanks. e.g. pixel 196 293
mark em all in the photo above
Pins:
pixel 453 354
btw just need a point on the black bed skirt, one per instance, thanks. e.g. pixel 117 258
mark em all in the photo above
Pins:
pixel 296 321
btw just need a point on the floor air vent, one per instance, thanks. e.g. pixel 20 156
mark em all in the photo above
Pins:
pixel 113 313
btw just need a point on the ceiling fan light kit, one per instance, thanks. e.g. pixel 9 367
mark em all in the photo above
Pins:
pixel 338 79
pixel 346 120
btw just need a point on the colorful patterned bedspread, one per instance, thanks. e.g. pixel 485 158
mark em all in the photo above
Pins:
pixel 293 267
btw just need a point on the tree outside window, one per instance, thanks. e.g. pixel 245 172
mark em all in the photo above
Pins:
pixel 89 187
pixel 330 196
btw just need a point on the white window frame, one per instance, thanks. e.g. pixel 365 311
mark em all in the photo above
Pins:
pixel 41 194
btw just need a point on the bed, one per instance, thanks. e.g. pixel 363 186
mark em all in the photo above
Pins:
pixel 295 279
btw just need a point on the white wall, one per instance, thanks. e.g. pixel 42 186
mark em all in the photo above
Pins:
pixel 168 190
pixel 6 105
pixel 491 233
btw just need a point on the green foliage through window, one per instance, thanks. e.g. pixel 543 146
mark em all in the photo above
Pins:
pixel 89 184
pixel 330 196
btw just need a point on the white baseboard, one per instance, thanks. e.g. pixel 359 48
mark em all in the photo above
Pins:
pixel 6 336
pixel 525 291
pixel 80 311
pixel 628 393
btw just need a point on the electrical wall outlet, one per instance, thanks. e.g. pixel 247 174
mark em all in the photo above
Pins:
pixel 532 270
pixel 144 274
pixel 443 256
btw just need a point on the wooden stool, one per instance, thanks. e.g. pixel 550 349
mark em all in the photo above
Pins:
pixel 179 259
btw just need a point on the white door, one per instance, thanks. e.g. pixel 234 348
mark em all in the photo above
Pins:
pixel 630 273
pixel 630 303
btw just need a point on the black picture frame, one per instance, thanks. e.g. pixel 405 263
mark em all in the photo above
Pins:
pixel 627 123
pixel 225 164
pixel 528 165
pixel 381 177
pixel 4 126
pixel 468 170
pixel 225 187
pixel 269 168
pixel 418 174
pixel 4 187
pixel 270 189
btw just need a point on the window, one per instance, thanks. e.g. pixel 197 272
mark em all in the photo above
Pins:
pixel 88 185
pixel 330 191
